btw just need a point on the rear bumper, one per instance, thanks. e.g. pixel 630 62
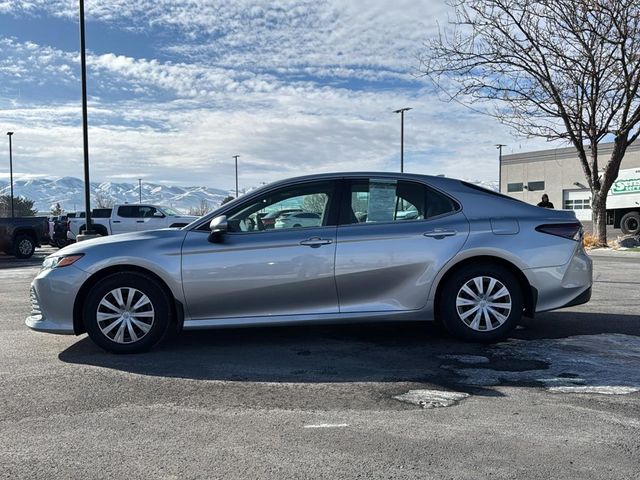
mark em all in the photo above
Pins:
pixel 564 285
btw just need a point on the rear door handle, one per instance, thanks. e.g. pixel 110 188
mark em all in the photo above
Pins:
pixel 139 221
pixel 116 221
pixel 440 233
pixel 315 242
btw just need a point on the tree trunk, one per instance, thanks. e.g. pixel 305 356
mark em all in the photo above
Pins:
pixel 599 213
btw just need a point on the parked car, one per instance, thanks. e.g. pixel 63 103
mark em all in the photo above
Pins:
pixel 269 220
pixel 298 219
pixel 20 236
pixel 474 259
pixel 129 218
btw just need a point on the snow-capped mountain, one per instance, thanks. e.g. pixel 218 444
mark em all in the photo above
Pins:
pixel 69 192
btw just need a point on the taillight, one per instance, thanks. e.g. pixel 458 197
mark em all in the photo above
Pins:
pixel 572 231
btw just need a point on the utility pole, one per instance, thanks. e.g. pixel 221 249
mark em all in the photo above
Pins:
pixel 401 112
pixel 236 158
pixel 85 126
pixel 140 191
pixel 10 134
pixel 499 147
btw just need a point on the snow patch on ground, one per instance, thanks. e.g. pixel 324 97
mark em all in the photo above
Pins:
pixel 600 390
pixel 606 364
pixel 431 398
pixel 470 359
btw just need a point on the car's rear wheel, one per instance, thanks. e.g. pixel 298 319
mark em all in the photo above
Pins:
pixel 127 313
pixel 24 246
pixel 481 303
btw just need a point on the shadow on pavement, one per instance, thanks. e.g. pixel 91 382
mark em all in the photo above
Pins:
pixel 401 352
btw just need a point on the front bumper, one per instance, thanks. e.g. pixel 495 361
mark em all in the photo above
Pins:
pixel 53 294
pixel 564 285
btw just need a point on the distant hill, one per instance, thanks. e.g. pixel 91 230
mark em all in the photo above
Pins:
pixel 69 192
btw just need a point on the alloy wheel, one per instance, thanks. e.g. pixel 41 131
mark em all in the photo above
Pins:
pixel 483 303
pixel 25 247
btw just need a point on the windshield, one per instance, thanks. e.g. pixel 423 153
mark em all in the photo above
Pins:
pixel 170 211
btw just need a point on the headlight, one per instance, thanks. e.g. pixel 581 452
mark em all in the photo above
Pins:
pixel 61 261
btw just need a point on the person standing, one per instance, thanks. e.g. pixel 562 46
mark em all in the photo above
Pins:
pixel 545 203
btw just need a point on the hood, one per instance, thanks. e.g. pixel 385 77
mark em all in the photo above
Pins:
pixel 149 237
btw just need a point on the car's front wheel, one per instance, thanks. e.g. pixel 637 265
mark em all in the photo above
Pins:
pixel 481 303
pixel 127 313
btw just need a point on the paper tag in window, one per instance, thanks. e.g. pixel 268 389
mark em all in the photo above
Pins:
pixel 382 200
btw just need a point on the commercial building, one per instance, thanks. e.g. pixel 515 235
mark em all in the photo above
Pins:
pixel 558 173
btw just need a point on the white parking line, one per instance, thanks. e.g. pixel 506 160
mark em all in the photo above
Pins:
pixel 327 425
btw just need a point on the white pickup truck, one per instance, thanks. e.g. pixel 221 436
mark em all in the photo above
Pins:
pixel 131 218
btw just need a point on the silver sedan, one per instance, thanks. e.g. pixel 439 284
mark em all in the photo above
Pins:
pixel 382 247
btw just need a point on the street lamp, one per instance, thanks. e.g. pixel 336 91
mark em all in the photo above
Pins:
pixel 499 147
pixel 140 191
pixel 10 134
pixel 236 159
pixel 401 112
pixel 85 128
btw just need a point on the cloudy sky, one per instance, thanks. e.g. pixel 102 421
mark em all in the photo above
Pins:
pixel 178 87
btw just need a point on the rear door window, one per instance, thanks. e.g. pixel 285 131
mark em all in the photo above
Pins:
pixel 129 211
pixel 378 200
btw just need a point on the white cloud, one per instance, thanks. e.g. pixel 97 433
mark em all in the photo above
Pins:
pixel 278 82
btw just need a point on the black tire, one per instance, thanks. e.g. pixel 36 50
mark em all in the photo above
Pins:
pixel 60 243
pixel 23 246
pixel 450 314
pixel 630 223
pixel 297 225
pixel 144 284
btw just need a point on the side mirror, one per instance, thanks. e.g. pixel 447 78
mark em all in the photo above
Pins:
pixel 158 214
pixel 218 227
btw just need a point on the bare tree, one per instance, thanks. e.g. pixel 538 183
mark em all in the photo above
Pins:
pixel 102 201
pixel 56 209
pixel 558 69
pixel 315 203
pixel 201 209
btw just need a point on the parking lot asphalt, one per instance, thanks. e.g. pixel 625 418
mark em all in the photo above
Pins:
pixel 318 402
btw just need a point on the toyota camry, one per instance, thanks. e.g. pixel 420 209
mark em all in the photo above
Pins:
pixel 373 247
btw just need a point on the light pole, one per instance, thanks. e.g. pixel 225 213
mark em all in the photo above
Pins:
pixel 85 128
pixel 499 147
pixel 401 112
pixel 236 158
pixel 10 134
pixel 140 191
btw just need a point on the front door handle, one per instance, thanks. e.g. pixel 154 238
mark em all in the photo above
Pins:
pixel 315 242
pixel 440 233
pixel 139 221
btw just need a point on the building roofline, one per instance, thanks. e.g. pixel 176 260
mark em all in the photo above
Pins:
pixel 565 153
